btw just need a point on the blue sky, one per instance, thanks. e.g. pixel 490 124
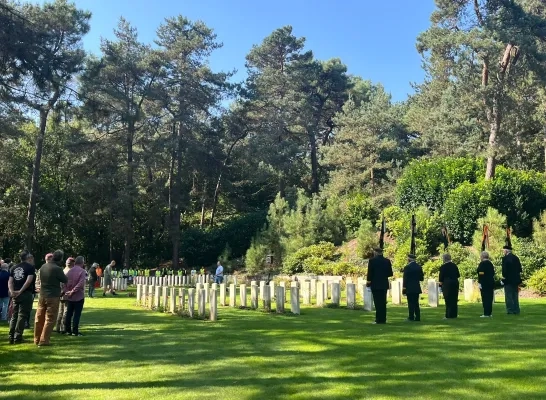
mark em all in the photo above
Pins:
pixel 375 39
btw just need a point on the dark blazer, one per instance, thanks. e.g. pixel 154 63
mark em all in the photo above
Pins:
pixel 511 269
pixel 449 275
pixel 486 274
pixel 379 271
pixel 413 276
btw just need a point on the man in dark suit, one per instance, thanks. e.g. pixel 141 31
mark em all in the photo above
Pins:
pixel 411 287
pixel 449 282
pixel 379 272
pixel 511 279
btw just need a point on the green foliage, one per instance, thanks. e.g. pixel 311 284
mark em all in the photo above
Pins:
pixel 367 239
pixel 356 208
pixel 431 268
pixel 521 196
pixel 537 281
pixel 539 230
pixel 458 252
pixel 531 256
pixel 497 234
pixel 400 259
pixel 463 207
pixel 310 259
pixel 428 182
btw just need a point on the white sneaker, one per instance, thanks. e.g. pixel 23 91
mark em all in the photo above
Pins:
pixel 486 316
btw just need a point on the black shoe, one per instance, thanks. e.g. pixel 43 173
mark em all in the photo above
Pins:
pixel 78 334
pixel 104 295
pixel 11 341
pixel 114 294
pixel 18 340
pixel 69 334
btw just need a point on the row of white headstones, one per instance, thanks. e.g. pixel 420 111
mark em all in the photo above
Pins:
pixel 159 296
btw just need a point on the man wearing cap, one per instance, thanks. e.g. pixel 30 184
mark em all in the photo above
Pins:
pixel 377 280
pixel 511 279
pixel 411 287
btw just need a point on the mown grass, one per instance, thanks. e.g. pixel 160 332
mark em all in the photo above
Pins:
pixel 131 353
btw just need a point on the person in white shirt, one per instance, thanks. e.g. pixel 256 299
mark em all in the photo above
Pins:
pixel 219 278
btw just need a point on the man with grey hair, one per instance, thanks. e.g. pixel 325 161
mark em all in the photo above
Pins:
pixel 486 282
pixel 449 282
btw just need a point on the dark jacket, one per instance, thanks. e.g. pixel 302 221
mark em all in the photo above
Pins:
pixel 449 275
pixel 379 272
pixel 4 280
pixel 486 274
pixel 511 269
pixel 413 276
pixel 51 277
pixel 93 274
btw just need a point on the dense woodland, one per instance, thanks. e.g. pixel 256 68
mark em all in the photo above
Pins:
pixel 143 154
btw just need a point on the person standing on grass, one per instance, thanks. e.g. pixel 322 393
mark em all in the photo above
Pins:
pixel 93 277
pixel 4 292
pixel 108 273
pixel 51 278
pixel 74 292
pixel 377 280
pixel 411 287
pixel 62 306
pixel 219 276
pixel 511 279
pixel 486 283
pixel 21 289
pixel 449 283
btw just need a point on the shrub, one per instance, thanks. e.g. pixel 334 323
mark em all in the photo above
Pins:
pixel 497 234
pixel 428 182
pixel 463 207
pixel 458 252
pixel 539 230
pixel 537 281
pixel 401 255
pixel 367 239
pixel 343 268
pixel 532 257
pixel 431 268
pixel 520 195
pixel 356 208
pixel 255 257
pixel 310 258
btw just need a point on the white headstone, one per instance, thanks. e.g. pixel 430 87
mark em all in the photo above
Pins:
pixel 336 293
pixel 138 294
pixel 320 294
pixel 262 289
pixel 144 299
pixel 182 299
pixel 468 290
pixel 272 289
pixel 213 305
pixel 396 292
pixel 295 299
pixel 313 288
pixel 201 302
pixel 242 294
pixel 280 299
pixel 150 299
pixel 191 302
pixel 157 298
pixel 432 293
pixel 306 289
pixel 232 295
pixel 165 295
pixel 267 299
pixel 172 300
pixel 368 299
pixel 351 296
pixel 254 297
pixel 207 290
pixel 223 294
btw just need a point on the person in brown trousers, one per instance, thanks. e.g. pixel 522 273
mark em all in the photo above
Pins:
pixel 51 277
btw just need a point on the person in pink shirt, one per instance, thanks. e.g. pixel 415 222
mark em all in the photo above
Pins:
pixel 75 296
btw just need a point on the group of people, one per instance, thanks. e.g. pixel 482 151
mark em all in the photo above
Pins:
pixel 60 292
pixel 380 270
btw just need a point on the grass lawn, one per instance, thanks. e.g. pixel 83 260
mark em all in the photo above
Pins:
pixel 131 353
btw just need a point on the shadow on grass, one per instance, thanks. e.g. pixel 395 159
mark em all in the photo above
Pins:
pixel 333 353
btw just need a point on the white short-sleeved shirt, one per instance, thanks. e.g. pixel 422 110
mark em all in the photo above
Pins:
pixel 220 271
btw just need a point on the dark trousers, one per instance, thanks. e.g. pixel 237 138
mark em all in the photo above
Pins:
pixel 380 301
pixel 73 315
pixel 511 296
pixel 91 291
pixel 27 323
pixel 487 301
pixel 451 297
pixel 413 307
pixel 22 306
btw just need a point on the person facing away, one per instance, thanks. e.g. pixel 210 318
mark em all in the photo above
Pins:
pixel 75 297
pixel 21 290
pixel 108 274
pixel 61 316
pixel 4 291
pixel 51 278
pixel 486 283
pixel 377 280
pixel 93 277
pixel 511 279
pixel 449 283
pixel 219 276
pixel 411 287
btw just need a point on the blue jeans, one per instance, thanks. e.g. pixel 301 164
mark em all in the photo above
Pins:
pixel 219 279
pixel 511 298
pixel 4 302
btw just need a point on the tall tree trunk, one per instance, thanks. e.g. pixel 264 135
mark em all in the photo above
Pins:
pixel 203 204
pixel 494 127
pixel 175 199
pixel 35 183
pixel 545 149
pixel 314 162
pixel 130 192
pixel 372 180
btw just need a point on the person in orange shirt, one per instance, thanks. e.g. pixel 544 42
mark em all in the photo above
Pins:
pixel 99 274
